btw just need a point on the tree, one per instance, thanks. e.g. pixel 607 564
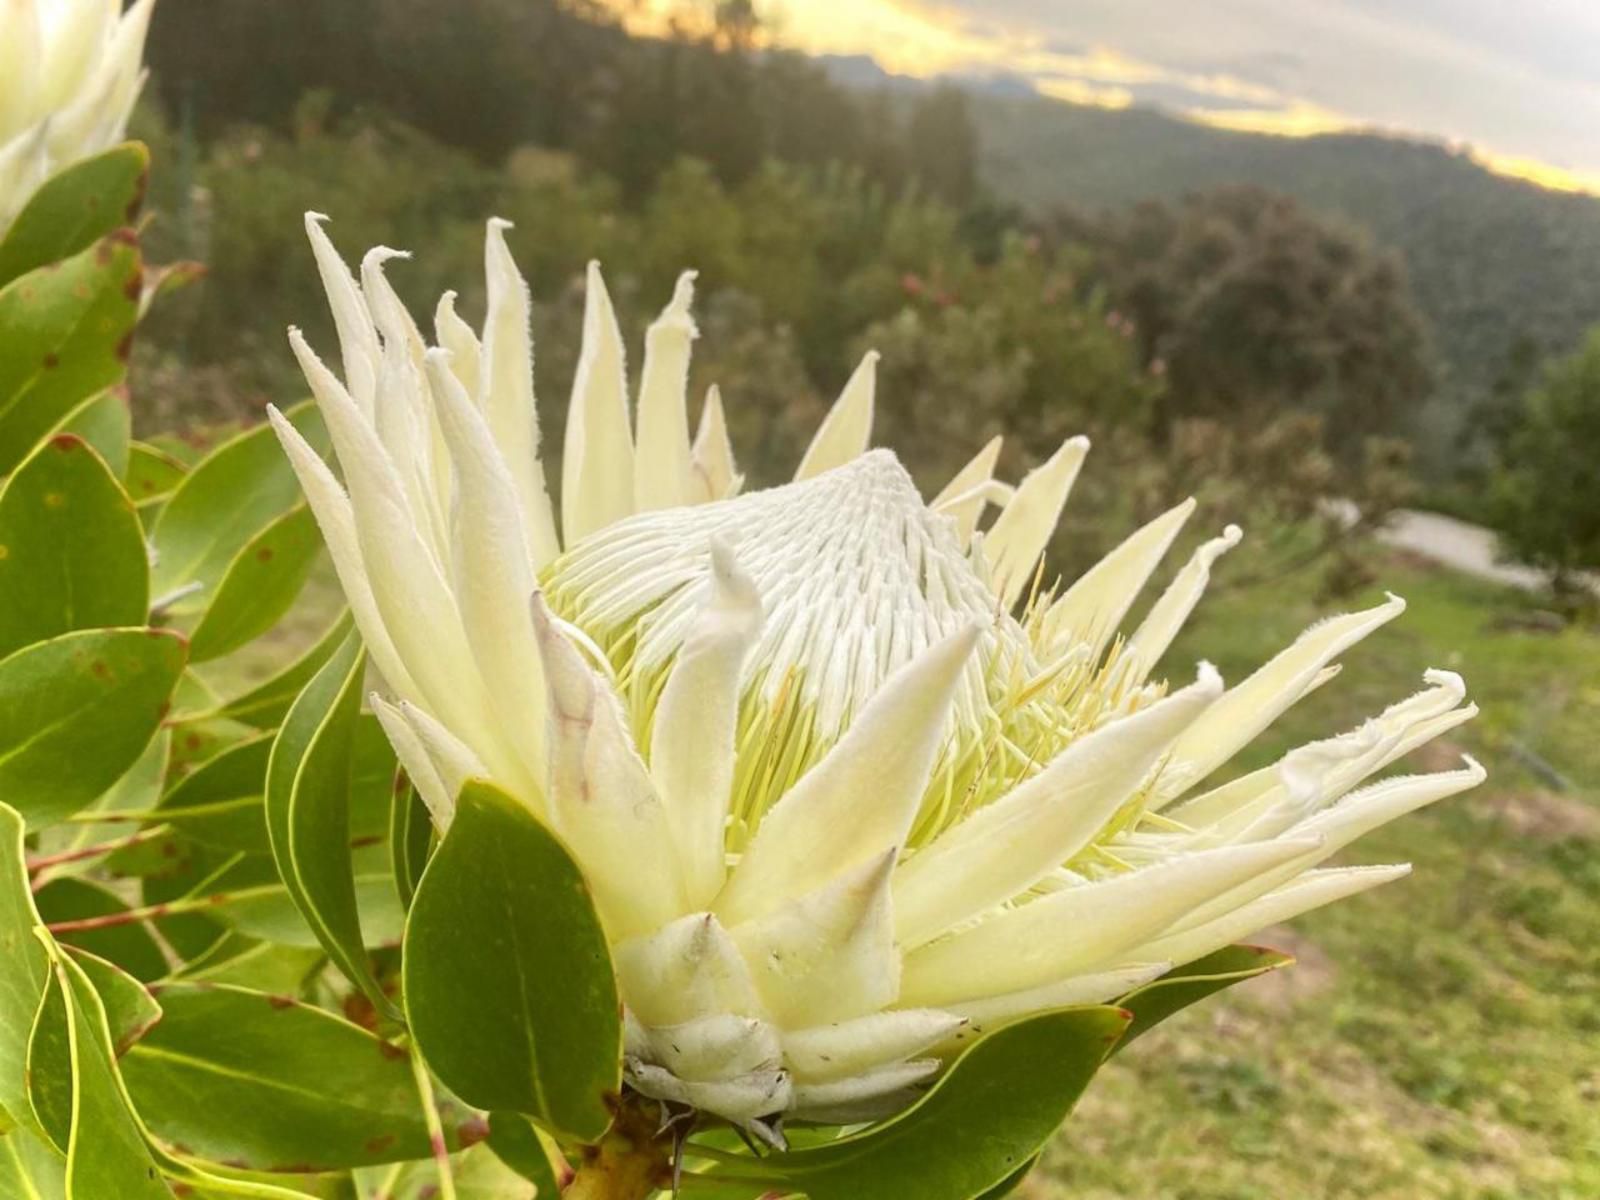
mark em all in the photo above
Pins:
pixel 1251 305
pixel 1544 494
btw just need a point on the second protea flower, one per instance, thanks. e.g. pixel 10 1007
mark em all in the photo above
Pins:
pixel 850 788
pixel 70 71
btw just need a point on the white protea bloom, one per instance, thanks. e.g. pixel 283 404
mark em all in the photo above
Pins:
pixel 70 72
pixel 840 805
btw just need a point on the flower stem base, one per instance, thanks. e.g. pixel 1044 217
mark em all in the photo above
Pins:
pixel 633 1161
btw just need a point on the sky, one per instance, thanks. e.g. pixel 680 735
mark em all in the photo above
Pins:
pixel 1517 81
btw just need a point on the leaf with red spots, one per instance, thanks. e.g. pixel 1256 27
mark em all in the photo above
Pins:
pixel 151 475
pixel 265 704
pixel 258 586
pixel 72 552
pixel 77 711
pixel 64 333
pixel 75 208
pixel 106 423
pixel 268 1083
pixel 508 981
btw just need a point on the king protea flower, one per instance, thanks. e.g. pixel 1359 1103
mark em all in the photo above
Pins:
pixel 849 786
pixel 69 75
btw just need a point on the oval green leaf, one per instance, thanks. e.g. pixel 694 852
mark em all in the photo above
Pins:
pixel 131 1010
pixel 72 553
pixel 258 586
pixel 265 704
pixel 984 1121
pixel 229 497
pixel 77 711
pixel 131 946
pixel 106 423
pixel 310 780
pixel 24 969
pixel 64 336
pixel 75 208
pixel 152 473
pixel 508 982
pixel 267 1083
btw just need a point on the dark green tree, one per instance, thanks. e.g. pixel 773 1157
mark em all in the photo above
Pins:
pixel 1544 493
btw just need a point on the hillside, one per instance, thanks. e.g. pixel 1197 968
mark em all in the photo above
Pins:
pixel 1492 259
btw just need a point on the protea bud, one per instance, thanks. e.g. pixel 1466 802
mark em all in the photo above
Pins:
pixel 70 72
pixel 848 785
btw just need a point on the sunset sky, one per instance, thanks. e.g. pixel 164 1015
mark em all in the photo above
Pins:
pixel 1518 82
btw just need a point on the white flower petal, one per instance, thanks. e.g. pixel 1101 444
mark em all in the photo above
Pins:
pixel 600 796
pixel 456 336
pixel 850 1047
pixel 741 1100
pixel 1168 614
pixel 1311 890
pixel 358 338
pixel 1091 610
pixel 1082 927
pixel 965 496
pixel 1008 846
pixel 597 467
pixel 862 797
pixel 687 970
pixel 723 1046
pixel 492 575
pixel 1022 531
pixel 846 431
pixel 714 475
pixel 828 955
pixel 1248 708
pixel 505 384
pixel 833 1094
pixel 418 764
pixel 663 467
pixel 692 741
pixel 988 1013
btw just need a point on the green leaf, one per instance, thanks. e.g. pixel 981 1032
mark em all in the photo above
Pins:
pixel 259 585
pixel 1185 985
pixel 515 1142
pixel 410 839
pixel 1010 1184
pixel 24 968
pixel 64 336
pixel 508 983
pixel 136 790
pixel 106 423
pixel 260 966
pixel 219 803
pixel 130 1008
pixel 130 946
pixel 264 1082
pixel 72 552
pixel 75 208
pixel 152 473
pixel 230 496
pixel 264 706
pixel 310 778
pixel 29 1169
pixel 985 1120
pixel 106 1150
pixel 77 711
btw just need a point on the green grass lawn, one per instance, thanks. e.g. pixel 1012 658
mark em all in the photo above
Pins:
pixel 1440 1037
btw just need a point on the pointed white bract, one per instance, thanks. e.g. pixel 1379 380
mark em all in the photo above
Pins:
pixel 70 72
pixel 852 780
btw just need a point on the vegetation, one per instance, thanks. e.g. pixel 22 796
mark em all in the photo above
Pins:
pixel 1544 486
pixel 1437 1039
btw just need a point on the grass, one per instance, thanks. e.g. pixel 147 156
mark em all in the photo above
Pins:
pixel 1440 1037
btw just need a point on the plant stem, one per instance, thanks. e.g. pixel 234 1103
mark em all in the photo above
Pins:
pixel 430 1114
pixel 152 912
pixel 631 1163
pixel 100 849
